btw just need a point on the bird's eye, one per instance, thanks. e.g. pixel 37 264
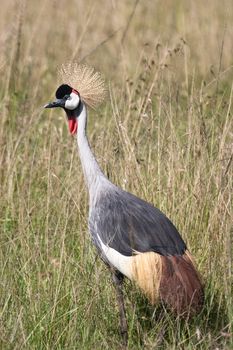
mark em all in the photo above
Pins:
pixel 71 101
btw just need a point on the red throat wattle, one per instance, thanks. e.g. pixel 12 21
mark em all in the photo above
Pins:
pixel 73 126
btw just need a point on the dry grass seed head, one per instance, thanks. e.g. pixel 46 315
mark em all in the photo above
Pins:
pixel 89 83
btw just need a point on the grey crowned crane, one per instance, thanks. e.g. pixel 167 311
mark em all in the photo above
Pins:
pixel 133 238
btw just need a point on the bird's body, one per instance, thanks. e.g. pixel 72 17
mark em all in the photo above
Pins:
pixel 137 239
pixel 133 238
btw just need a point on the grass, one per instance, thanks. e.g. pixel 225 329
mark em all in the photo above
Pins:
pixel 165 134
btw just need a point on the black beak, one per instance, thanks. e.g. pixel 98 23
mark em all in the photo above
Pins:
pixel 58 103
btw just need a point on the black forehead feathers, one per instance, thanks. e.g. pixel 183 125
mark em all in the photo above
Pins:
pixel 63 90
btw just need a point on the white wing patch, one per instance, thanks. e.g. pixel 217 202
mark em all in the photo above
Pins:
pixel 120 262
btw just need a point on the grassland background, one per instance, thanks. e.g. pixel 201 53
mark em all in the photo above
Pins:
pixel 165 133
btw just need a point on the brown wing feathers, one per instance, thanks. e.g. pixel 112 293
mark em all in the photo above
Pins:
pixel 181 286
pixel 174 279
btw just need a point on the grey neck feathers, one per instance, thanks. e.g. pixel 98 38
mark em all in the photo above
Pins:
pixel 95 179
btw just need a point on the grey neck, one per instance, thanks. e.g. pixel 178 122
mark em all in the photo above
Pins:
pixel 95 179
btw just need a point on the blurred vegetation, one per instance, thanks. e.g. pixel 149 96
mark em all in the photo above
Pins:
pixel 165 134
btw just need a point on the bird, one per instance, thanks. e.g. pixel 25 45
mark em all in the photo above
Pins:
pixel 132 237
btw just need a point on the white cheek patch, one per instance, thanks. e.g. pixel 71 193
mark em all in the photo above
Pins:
pixel 72 102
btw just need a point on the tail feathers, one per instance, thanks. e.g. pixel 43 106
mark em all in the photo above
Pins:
pixel 173 279
pixel 180 287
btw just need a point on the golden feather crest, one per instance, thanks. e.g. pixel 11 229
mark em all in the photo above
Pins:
pixel 89 83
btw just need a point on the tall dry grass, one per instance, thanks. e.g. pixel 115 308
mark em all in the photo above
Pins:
pixel 165 134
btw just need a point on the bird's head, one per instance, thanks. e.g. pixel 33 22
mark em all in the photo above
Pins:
pixel 68 99
pixel 89 90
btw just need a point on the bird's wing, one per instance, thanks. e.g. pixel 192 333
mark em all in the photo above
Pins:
pixel 128 224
